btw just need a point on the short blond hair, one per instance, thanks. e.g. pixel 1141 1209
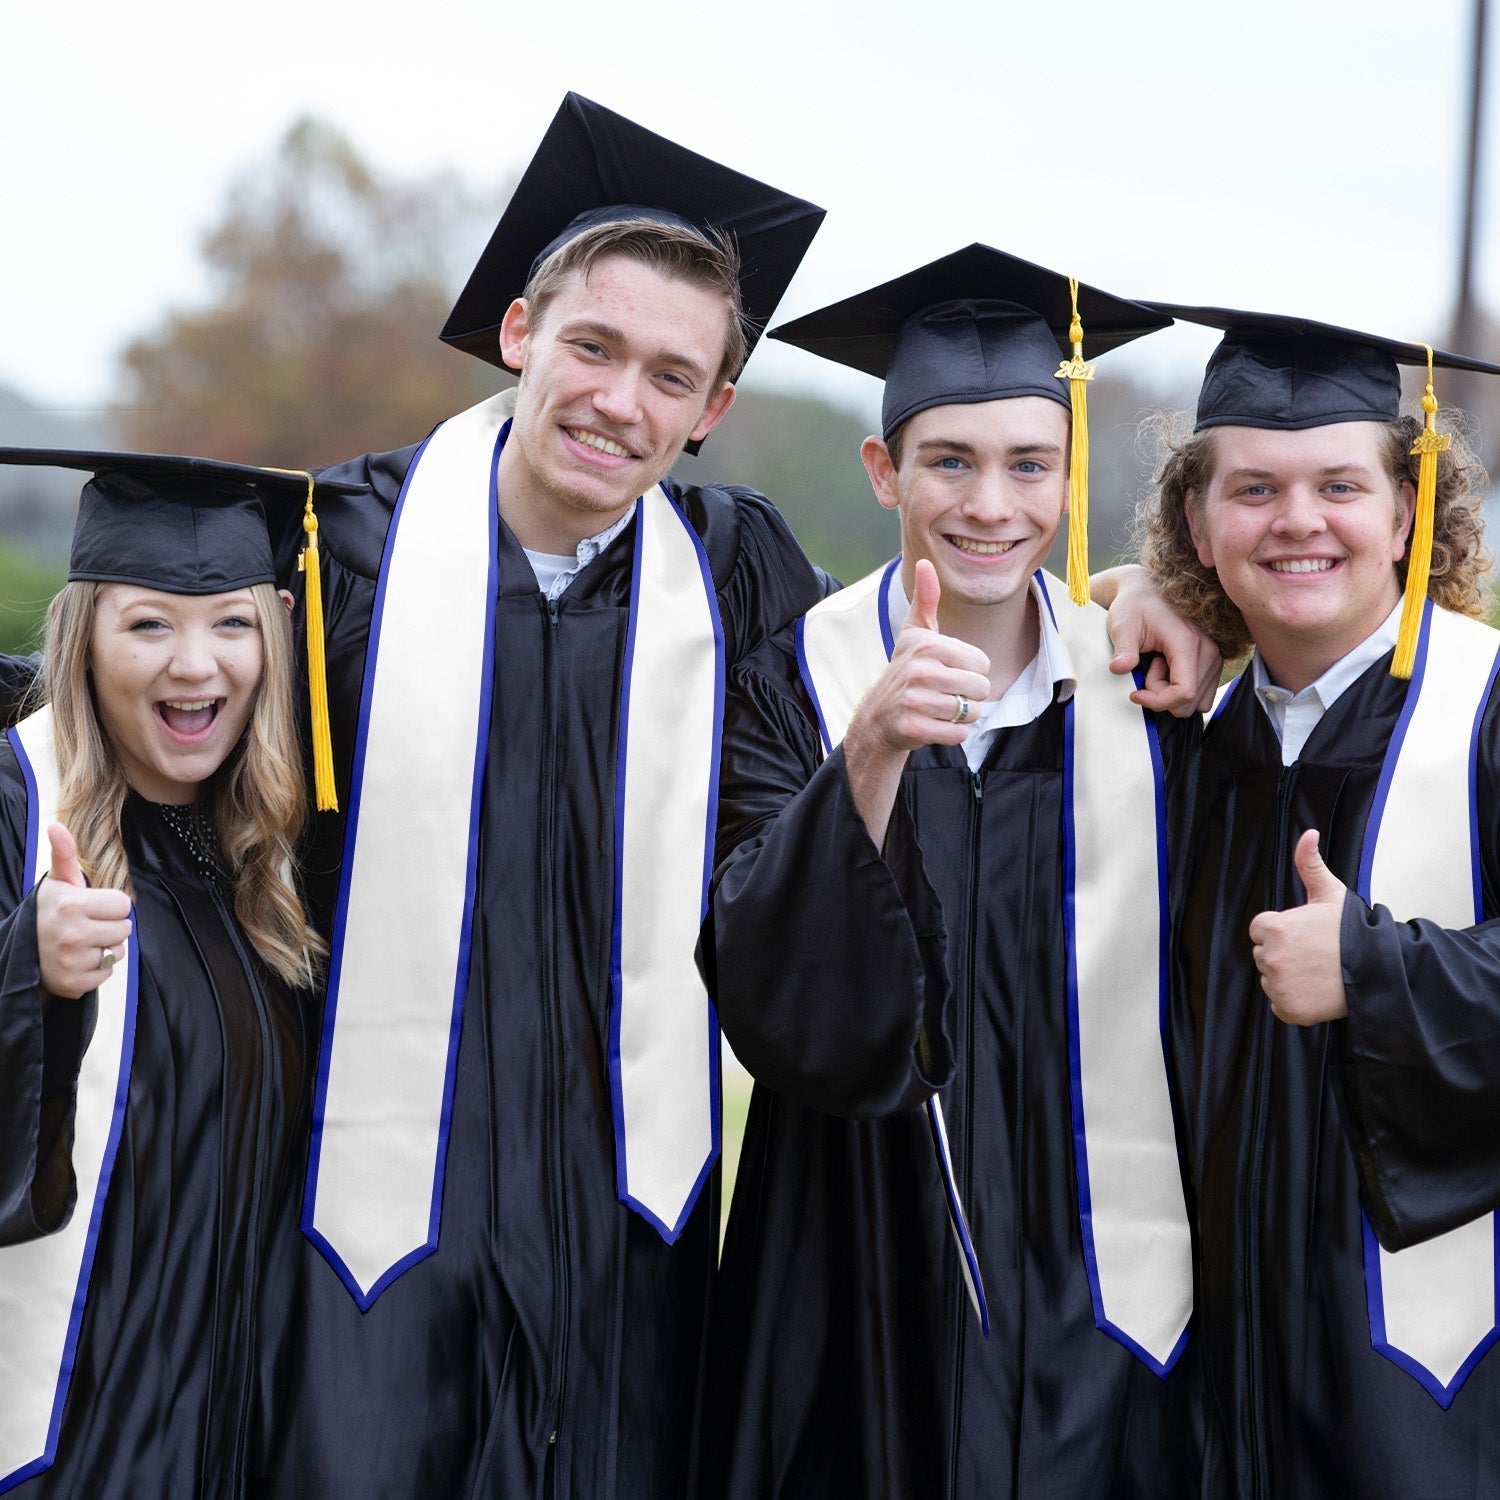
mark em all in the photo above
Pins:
pixel 709 260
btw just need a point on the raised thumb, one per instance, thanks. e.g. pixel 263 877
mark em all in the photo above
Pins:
pixel 1322 884
pixel 926 592
pixel 64 856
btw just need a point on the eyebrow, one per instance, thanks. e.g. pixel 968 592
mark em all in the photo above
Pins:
pixel 607 333
pixel 968 450
pixel 1357 470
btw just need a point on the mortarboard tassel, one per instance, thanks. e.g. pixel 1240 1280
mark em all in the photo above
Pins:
pixel 324 792
pixel 1430 442
pixel 1076 372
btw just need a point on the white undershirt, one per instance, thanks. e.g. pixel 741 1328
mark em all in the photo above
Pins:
pixel 556 570
pixel 1294 716
pixel 1047 676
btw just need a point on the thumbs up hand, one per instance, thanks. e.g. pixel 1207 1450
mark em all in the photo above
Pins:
pixel 926 696
pixel 917 699
pixel 1297 951
pixel 75 925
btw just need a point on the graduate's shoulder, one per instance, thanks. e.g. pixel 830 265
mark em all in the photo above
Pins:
pixel 352 528
pixel 742 529
pixel 763 578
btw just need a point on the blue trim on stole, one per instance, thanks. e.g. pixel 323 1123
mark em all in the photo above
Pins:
pixel 1374 1291
pixel 48 1455
pixel 1161 1368
pixel 668 1232
pixel 365 1300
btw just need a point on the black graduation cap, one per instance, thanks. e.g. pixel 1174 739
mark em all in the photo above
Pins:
pixel 977 325
pixel 1291 373
pixel 196 526
pixel 182 525
pixel 594 166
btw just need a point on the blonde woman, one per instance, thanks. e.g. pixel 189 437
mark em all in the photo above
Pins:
pixel 156 1025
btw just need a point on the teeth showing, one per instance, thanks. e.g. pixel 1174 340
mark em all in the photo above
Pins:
pixel 594 440
pixel 1303 565
pixel 980 549
pixel 194 706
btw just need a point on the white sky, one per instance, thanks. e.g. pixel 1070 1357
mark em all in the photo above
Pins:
pixel 1299 156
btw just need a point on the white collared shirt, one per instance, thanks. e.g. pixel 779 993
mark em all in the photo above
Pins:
pixel 1294 716
pixel 1048 675
pixel 556 570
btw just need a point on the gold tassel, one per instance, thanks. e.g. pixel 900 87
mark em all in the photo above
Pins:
pixel 324 793
pixel 1430 442
pixel 1076 372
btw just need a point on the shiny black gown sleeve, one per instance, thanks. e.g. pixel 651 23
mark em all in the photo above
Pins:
pixel 41 1047
pixel 825 954
pixel 1422 1050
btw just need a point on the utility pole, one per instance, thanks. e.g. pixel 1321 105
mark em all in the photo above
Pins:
pixel 1466 333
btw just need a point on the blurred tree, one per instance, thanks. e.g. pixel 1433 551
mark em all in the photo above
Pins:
pixel 26 588
pixel 332 283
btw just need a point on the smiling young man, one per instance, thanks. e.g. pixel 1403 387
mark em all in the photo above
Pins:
pixel 1340 1074
pixel 512 1199
pixel 940 870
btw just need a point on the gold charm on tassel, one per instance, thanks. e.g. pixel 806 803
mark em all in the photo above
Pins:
pixel 1076 372
pixel 1430 442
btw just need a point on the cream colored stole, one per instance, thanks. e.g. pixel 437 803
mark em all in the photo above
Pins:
pixel 1433 1307
pixel 44 1282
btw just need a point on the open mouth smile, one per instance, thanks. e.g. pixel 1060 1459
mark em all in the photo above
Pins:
pixel 1303 565
pixel 188 720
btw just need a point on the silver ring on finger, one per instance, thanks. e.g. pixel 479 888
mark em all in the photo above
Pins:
pixel 961 708
pixel 108 958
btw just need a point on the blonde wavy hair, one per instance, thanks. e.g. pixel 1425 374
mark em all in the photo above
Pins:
pixel 1184 462
pixel 258 796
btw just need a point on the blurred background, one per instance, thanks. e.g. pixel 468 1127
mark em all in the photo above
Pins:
pixel 236 231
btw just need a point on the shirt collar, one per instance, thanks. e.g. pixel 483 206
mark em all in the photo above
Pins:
pixel 1341 675
pixel 556 570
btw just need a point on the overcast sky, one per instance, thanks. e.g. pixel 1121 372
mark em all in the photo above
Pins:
pixel 1291 155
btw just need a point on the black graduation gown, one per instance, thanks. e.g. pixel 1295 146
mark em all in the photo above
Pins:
pixel 848 1361
pixel 188 1303
pixel 1398 1107
pixel 553 1343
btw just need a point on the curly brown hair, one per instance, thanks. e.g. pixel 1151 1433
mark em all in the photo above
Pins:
pixel 1184 462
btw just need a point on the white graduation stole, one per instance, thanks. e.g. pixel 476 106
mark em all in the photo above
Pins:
pixel 394 1010
pixel 1433 1307
pixel 1132 1212
pixel 44 1282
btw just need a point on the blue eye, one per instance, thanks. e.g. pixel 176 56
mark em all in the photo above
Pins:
pixel 147 627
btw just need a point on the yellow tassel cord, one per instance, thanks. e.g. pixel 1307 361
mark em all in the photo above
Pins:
pixel 324 792
pixel 1430 442
pixel 1076 372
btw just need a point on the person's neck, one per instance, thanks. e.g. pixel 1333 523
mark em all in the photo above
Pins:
pixel 1295 660
pixel 1009 633
pixel 538 519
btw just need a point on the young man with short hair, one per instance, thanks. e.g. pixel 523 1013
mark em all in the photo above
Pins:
pixel 1339 976
pixel 512 1189
pixel 937 940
